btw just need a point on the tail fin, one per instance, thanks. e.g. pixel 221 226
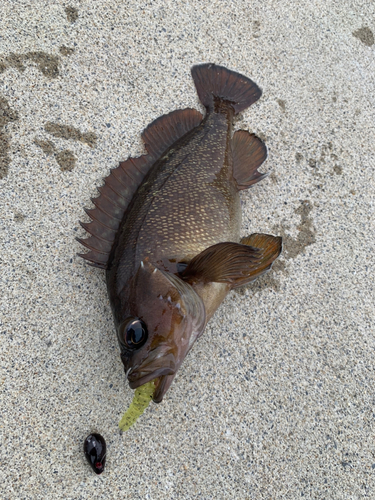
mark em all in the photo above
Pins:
pixel 216 81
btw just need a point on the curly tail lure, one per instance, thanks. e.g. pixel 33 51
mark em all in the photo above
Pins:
pixel 141 399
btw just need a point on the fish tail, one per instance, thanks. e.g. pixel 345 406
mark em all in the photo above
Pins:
pixel 216 82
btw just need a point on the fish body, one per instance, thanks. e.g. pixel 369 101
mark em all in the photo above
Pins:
pixel 166 228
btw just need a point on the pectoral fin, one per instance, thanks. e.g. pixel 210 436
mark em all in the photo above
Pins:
pixel 234 263
pixel 271 247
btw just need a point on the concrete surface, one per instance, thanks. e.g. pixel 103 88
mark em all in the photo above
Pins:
pixel 277 399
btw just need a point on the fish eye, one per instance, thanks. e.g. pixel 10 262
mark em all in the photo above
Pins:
pixel 133 333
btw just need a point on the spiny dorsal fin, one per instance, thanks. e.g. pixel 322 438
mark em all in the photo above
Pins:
pixel 212 80
pixel 234 263
pixel 167 129
pixel 248 153
pixel 115 196
pixel 123 181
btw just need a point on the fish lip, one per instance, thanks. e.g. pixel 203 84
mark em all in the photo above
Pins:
pixel 141 380
pixel 162 387
pixel 160 362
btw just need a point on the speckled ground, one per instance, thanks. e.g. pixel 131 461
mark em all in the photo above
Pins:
pixel 276 401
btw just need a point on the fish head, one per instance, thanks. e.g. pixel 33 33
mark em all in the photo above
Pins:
pixel 164 317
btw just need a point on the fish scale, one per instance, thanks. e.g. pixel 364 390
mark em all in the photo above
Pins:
pixel 178 190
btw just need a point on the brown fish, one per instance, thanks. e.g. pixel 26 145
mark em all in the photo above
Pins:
pixel 166 227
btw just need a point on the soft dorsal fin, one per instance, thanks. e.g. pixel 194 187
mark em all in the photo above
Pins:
pixel 249 152
pixel 167 129
pixel 115 196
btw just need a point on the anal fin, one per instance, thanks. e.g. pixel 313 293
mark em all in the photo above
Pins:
pixel 248 153
pixel 234 263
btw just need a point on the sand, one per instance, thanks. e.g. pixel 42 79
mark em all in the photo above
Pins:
pixel 276 400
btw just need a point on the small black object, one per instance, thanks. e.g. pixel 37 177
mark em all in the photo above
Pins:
pixel 95 451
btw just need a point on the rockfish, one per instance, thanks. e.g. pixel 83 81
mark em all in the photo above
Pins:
pixel 166 228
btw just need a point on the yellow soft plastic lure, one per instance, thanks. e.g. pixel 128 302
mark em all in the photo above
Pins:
pixel 142 397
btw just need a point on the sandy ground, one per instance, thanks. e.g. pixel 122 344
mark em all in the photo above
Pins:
pixel 276 401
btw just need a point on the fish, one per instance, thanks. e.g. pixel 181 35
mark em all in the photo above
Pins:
pixel 166 227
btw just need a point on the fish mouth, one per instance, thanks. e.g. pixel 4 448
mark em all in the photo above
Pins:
pixel 159 364
pixel 162 387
